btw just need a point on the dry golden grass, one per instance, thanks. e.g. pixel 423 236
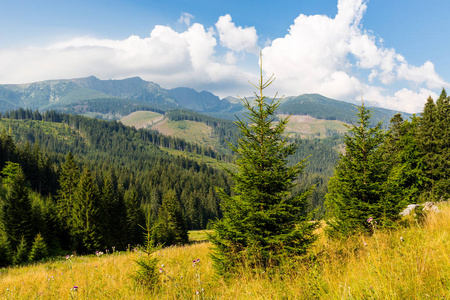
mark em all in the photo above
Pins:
pixel 378 267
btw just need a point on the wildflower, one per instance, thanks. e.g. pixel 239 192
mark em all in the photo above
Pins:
pixel 197 292
pixel 369 220
pixel 67 256
pixel 402 239
pixel 75 288
pixel 160 270
pixel 162 265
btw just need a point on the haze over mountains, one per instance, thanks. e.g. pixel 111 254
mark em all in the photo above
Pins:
pixel 112 99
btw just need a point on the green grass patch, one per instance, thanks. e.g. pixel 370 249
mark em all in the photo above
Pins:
pixel 199 235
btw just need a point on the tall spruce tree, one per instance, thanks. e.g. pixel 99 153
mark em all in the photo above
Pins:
pixel 68 181
pixel 16 215
pixel 359 189
pixel 402 155
pixel 85 215
pixel 170 228
pixel 263 222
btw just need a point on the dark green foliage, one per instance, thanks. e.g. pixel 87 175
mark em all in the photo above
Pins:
pixel 170 228
pixel 434 141
pixel 359 188
pixel 16 214
pixel 5 251
pixel 39 249
pixel 85 215
pixel 21 255
pixel 403 157
pixel 68 181
pixel 262 223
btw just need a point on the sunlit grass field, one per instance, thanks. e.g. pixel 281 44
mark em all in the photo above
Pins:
pixel 408 263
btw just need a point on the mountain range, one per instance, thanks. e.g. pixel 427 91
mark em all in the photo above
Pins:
pixel 112 99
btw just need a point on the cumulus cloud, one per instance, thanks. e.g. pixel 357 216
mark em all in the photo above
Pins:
pixel 316 55
pixel 236 38
pixel 335 57
pixel 167 57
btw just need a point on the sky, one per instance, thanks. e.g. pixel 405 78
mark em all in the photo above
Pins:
pixel 394 54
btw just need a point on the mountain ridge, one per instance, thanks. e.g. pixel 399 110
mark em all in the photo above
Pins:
pixel 119 97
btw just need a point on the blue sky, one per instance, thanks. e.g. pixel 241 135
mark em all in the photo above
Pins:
pixel 394 52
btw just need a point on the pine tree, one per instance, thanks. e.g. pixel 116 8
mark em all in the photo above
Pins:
pixel 402 155
pixel 434 141
pixel 39 249
pixel 68 181
pixel 359 188
pixel 170 228
pixel 21 255
pixel 263 222
pixel 16 215
pixel 85 215
pixel 5 251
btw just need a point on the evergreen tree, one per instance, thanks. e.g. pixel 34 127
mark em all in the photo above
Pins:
pixel 21 255
pixel 39 249
pixel 16 215
pixel 5 251
pixel 441 185
pixel 262 222
pixel 434 142
pixel 85 215
pixel 360 186
pixel 134 215
pixel 68 181
pixel 170 228
pixel 402 155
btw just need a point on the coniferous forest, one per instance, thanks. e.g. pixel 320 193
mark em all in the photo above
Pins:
pixel 73 183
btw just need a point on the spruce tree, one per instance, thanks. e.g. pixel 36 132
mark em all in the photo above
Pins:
pixel 170 228
pixel 16 214
pixel 402 155
pixel 262 222
pixel 359 187
pixel 85 215
pixel 21 255
pixel 434 142
pixel 39 249
pixel 5 251
pixel 68 181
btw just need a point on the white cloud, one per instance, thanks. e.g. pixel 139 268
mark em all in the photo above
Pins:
pixel 185 19
pixel 403 100
pixel 166 57
pixel 315 57
pixel 236 38
pixel 335 57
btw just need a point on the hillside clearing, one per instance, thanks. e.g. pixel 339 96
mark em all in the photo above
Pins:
pixel 142 119
pixel 308 127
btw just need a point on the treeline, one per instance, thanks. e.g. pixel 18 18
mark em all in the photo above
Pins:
pixel 381 172
pixel 109 106
pixel 101 142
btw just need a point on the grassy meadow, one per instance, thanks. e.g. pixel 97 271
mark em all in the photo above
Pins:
pixel 409 263
pixel 142 119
